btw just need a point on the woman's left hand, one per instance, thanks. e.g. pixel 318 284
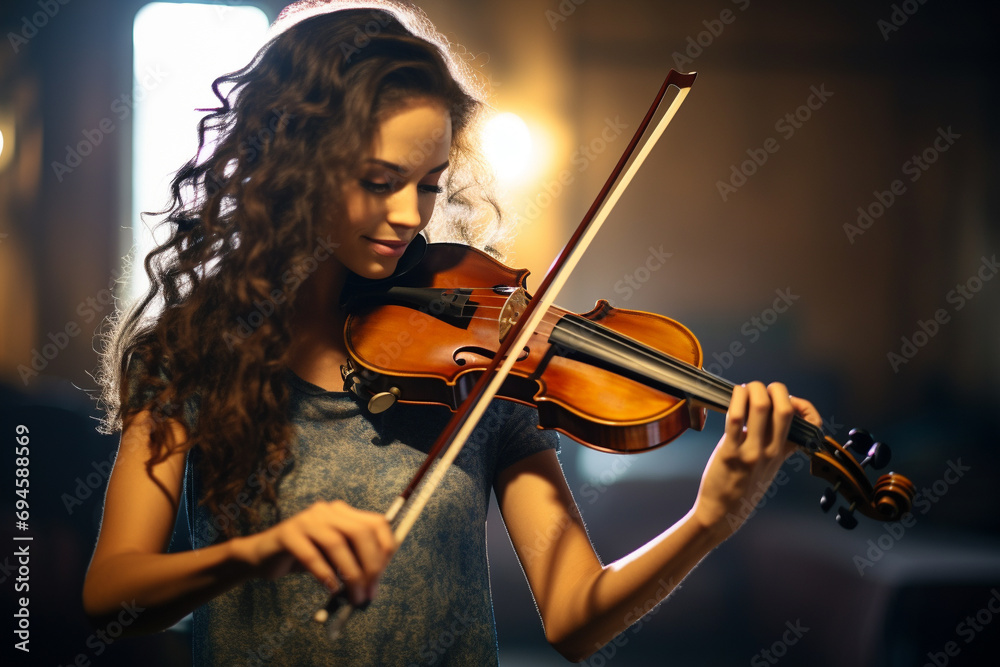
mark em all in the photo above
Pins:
pixel 749 455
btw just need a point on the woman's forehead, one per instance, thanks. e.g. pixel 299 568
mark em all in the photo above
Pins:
pixel 414 137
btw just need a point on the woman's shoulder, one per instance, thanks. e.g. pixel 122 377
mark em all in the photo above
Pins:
pixel 144 387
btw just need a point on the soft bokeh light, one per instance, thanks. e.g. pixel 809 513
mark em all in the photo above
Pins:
pixel 509 147
pixel 180 48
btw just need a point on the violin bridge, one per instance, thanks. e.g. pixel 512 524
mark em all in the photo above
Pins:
pixel 511 312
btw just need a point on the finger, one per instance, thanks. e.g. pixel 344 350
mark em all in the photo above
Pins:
pixel 360 531
pixel 381 531
pixel 736 416
pixel 312 559
pixel 806 410
pixel 781 417
pixel 759 417
pixel 345 562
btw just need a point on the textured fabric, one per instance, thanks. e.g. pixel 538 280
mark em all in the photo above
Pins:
pixel 433 605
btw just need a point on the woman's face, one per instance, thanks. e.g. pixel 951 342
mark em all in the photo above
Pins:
pixel 391 199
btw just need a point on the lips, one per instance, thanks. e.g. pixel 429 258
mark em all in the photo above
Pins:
pixel 387 248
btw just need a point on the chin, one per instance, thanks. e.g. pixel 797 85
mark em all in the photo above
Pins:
pixel 377 270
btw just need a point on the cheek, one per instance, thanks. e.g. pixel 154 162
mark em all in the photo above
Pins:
pixel 426 208
pixel 360 211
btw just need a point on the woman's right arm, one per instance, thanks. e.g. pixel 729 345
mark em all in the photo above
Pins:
pixel 129 566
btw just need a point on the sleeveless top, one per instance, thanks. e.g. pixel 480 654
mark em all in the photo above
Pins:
pixel 433 605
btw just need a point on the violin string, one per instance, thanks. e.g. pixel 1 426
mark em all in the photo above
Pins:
pixel 653 355
pixel 723 388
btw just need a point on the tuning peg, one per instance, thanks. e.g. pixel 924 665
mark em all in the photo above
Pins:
pixel 878 456
pixel 828 498
pixel 859 440
pixel 845 517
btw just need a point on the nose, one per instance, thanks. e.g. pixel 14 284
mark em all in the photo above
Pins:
pixel 404 207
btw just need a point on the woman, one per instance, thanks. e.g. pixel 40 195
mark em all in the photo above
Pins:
pixel 328 163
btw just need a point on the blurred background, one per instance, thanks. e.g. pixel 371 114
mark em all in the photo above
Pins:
pixel 821 212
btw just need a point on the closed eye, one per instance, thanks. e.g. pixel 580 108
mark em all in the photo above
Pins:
pixel 376 188
pixel 388 188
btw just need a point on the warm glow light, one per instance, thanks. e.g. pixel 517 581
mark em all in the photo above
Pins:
pixel 508 146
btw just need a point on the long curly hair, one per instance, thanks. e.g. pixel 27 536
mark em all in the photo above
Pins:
pixel 244 221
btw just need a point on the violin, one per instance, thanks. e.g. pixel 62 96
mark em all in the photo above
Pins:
pixel 615 380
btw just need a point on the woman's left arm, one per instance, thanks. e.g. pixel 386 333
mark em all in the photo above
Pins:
pixel 585 604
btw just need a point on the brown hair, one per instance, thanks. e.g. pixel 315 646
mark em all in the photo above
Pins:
pixel 245 220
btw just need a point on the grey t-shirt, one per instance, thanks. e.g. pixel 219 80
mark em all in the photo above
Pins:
pixel 433 606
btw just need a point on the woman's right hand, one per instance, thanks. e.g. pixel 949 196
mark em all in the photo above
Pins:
pixel 340 545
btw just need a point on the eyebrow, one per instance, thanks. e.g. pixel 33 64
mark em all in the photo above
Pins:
pixel 399 169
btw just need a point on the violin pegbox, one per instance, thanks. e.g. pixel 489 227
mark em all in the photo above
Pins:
pixel 887 500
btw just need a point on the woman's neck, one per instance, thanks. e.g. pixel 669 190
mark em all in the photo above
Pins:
pixel 317 350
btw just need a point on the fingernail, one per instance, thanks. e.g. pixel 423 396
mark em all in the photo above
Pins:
pixel 357 596
pixel 373 591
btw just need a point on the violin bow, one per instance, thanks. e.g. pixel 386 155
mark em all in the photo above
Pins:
pixel 464 420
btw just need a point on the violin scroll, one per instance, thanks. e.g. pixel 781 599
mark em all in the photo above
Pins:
pixel 890 498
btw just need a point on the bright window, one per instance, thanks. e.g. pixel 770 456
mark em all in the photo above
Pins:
pixel 180 48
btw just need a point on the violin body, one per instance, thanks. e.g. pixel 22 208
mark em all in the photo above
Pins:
pixel 595 406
